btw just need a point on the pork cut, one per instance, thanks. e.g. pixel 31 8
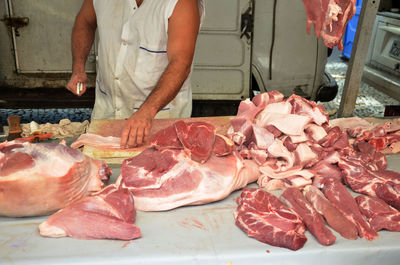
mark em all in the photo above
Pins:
pixel 390 193
pixel 91 139
pixel 314 222
pixel 262 216
pixel 341 198
pixel 37 179
pixel 109 214
pixel 380 215
pixel 329 18
pixel 163 178
pixel 332 215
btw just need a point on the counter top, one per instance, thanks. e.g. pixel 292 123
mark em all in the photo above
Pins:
pixel 203 234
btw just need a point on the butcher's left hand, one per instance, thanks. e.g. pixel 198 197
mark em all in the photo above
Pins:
pixel 137 129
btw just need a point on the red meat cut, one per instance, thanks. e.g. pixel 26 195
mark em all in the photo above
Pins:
pixel 37 179
pixel 108 214
pixel 333 216
pixel 380 215
pixel 330 18
pixel 337 193
pixel 293 198
pixel 262 216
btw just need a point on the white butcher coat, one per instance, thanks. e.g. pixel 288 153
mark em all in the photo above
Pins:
pixel 132 57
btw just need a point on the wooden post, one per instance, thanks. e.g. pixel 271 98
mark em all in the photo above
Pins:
pixel 357 58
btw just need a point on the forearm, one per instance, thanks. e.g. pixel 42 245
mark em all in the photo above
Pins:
pixel 168 86
pixel 82 40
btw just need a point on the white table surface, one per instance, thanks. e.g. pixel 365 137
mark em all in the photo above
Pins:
pixel 203 234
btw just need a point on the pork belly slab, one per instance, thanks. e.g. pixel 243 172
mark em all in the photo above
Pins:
pixel 110 214
pixel 262 216
pixel 37 179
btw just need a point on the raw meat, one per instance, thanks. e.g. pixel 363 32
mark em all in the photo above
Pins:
pixel 389 193
pixel 379 214
pixel 330 18
pixel 332 215
pixel 262 216
pixel 166 178
pixel 197 139
pixel 337 193
pixel 91 139
pixel 108 214
pixel 37 179
pixel 293 198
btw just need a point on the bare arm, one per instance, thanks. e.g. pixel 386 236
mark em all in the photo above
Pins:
pixel 183 27
pixel 83 35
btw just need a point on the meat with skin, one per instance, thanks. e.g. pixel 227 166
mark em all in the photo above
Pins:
pixel 110 214
pixel 380 215
pixel 90 139
pixel 330 18
pixel 338 195
pixel 167 178
pixel 332 215
pixel 262 216
pixel 293 198
pixel 163 180
pixel 53 175
pixel 302 106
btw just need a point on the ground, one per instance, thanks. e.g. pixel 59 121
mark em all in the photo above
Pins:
pixel 370 102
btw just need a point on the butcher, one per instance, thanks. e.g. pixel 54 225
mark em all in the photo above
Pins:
pixel 145 55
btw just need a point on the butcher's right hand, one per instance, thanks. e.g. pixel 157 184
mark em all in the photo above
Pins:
pixel 73 83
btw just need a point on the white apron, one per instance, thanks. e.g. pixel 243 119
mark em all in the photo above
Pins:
pixel 132 57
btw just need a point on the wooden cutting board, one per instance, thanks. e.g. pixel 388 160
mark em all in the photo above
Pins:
pixel 115 127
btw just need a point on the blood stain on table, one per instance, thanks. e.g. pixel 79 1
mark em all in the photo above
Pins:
pixel 125 244
pixel 192 222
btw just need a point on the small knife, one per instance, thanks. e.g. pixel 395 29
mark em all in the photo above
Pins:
pixel 79 88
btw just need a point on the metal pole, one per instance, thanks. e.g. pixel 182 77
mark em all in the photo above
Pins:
pixel 357 58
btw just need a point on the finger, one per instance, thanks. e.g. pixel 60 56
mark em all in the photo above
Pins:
pixel 70 86
pixel 139 136
pixel 132 137
pixel 124 137
pixel 146 133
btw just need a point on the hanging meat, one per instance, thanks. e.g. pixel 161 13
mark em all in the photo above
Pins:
pixel 330 18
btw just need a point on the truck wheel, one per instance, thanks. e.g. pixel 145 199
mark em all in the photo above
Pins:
pixel 328 89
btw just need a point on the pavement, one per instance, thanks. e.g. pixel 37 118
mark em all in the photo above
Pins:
pixel 370 102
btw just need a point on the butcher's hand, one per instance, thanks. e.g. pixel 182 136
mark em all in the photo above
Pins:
pixel 73 83
pixel 137 129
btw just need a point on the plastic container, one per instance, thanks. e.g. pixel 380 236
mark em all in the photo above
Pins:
pixel 350 32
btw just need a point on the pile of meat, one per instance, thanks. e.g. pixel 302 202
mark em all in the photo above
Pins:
pixel 297 151
pixel 188 164
pixel 38 179
pixel 330 18
pixel 384 136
